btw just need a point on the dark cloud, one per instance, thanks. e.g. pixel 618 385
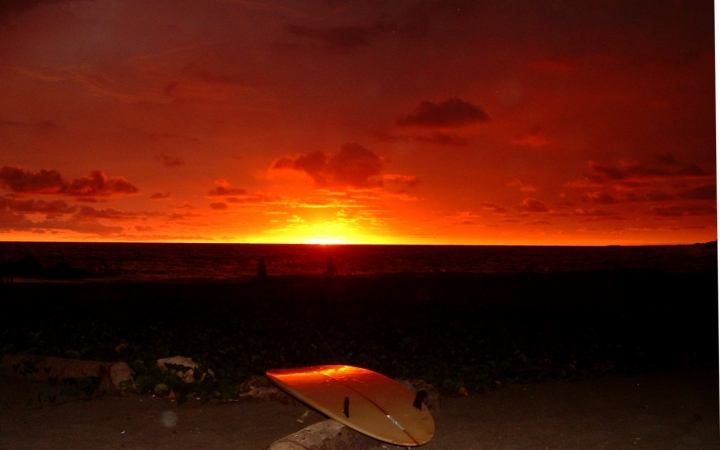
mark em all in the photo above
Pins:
pixel 495 209
pixel 408 19
pixel 535 137
pixel 10 221
pixel 83 220
pixel 450 113
pixel 445 139
pixel 353 165
pixel 340 38
pixel 169 161
pixel 658 196
pixel 90 213
pixel 691 171
pixel 219 206
pixel 708 192
pixel 223 188
pixel 160 196
pixel 640 172
pixel 47 181
pixel 29 206
pixel 667 159
pixel 610 172
pixel 598 197
pixel 99 184
pixel 683 210
pixel 312 163
pixel 385 136
pixel 16 6
pixel 631 176
pixel 42 182
pixel 596 214
pixel 533 205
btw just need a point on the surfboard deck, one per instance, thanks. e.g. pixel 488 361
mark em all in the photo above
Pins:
pixel 364 400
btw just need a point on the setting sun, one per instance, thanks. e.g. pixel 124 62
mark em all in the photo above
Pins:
pixel 324 241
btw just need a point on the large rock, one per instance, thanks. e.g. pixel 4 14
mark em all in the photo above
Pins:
pixel 325 435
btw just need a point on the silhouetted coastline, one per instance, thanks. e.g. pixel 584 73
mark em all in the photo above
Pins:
pixel 480 331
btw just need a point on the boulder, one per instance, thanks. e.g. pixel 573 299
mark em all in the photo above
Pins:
pixel 325 435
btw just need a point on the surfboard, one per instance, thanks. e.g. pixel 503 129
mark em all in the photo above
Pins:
pixel 365 401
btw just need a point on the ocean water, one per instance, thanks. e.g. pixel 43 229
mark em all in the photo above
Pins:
pixel 198 262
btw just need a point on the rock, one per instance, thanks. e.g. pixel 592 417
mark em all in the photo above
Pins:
pixel 62 370
pixel 325 435
pixel 257 389
pixel 187 376
pixel 431 400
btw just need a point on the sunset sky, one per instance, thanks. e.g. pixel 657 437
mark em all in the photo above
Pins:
pixel 358 121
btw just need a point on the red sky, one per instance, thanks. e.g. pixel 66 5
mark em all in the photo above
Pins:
pixel 410 121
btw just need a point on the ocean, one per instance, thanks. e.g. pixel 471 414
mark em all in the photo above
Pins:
pixel 155 262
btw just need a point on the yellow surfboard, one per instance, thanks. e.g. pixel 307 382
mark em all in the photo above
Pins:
pixel 363 400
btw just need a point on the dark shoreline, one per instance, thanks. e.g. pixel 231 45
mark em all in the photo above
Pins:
pixel 475 330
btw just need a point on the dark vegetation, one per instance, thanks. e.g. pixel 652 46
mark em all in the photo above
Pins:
pixel 31 267
pixel 476 332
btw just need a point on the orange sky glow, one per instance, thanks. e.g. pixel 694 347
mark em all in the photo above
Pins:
pixel 348 121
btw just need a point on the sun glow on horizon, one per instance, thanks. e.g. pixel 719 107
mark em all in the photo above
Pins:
pixel 324 241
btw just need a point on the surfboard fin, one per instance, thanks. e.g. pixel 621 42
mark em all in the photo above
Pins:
pixel 419 397
pixel 346 407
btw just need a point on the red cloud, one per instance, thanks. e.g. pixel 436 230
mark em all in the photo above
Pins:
pixel 495 209
pixel 687 210
pixel 98 184
pixel 533 205
pixel 341 38
pixel 406 180
pixel 708 192
pixel 89 213
pixel 533 138
pixel 598 197
pixel 43 182
pixel 169 161
pixel 353 165
pixel 223 188
pixel 444 139
pixel 450 113
pixel 51 209
pixel 219 206
pixel 51 182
